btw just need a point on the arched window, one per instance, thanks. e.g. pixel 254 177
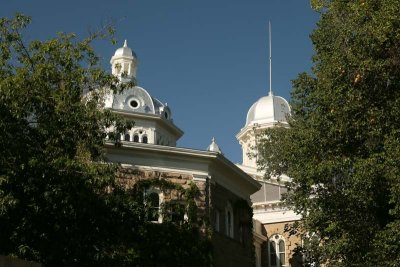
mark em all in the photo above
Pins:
pixel 277 251
pixel 229 223
pixel 127 137
pixel 144 139
pixel 136 138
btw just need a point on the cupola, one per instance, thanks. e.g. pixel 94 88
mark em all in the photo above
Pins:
pixel 124 63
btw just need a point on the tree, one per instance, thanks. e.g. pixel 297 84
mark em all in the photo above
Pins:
pixel 60 201
pixel 342 147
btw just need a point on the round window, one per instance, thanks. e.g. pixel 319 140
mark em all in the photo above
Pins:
pixel 134 103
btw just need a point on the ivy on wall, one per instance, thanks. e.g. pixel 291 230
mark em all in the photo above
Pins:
pixel 178 240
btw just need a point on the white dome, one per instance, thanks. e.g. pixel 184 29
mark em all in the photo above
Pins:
pixel 124 51
pixel 137 100
pixel 268 109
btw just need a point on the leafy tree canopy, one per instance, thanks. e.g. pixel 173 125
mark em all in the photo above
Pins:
pixel 60 203
pixel 342 149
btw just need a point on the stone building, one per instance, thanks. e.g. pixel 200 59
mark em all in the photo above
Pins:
pixel 148 151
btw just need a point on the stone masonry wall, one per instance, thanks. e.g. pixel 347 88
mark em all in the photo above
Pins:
pixel 233 252
pixel 227 251
pixel 130 176
pixel 290 242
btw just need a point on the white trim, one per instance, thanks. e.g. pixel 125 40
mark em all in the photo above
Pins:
pixel 184 159
pixel 277 250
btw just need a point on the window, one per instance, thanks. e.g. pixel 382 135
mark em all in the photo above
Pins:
pixel 144 139
pixel 243 236
pixel 308 241
pixel 127 137
pixel 133 102
pixel 216 221
pixel 152 200
pixel 229 220
pixel 277 251
pixel 136 138
pixel 175 212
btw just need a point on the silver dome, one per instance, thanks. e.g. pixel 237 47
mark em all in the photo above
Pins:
pixel 268 109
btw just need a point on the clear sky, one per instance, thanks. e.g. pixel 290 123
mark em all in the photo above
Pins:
pixel 208 59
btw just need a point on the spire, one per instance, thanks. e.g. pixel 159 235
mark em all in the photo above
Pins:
pixel 270 59
pixel 125 43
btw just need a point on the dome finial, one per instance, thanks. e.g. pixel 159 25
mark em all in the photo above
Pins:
pixel 125 43
pixel 214 147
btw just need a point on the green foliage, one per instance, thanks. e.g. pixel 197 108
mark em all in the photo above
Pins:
pixel 54 206
pixel 60 203
pixel 342 148
pixel 176 241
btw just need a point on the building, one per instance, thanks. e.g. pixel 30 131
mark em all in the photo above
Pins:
pixel 148 151
pixel 273 246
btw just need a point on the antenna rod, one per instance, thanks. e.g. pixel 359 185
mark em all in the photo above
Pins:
pixel 270 59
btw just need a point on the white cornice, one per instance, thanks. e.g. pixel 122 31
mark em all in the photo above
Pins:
pixel 258 127
pixel 278 216
pixel 198 162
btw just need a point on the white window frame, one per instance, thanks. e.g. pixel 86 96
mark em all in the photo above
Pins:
pixel 275 241
pixel 160 201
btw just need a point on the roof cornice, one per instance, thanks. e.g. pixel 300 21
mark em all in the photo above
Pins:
pixel 187 153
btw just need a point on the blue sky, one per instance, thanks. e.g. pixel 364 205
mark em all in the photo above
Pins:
pixel 208 59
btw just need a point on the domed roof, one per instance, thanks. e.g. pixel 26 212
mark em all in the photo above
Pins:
pixel 138 100
pixel 214 147
pixel 125 51
pixel 268 109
